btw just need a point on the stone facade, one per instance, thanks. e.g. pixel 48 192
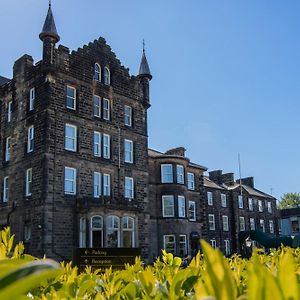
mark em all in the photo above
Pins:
pixel 50 213
pixel 169 218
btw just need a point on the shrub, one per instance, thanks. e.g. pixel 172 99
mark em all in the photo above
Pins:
pixel 209 276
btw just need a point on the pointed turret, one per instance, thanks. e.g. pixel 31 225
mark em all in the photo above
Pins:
pixel 49 37
pixel 49 28
pixel 144 77
pixel 144 70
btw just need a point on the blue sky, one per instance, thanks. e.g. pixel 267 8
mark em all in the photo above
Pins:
pixel 225 73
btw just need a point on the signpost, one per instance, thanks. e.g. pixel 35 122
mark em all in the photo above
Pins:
pixel 102 258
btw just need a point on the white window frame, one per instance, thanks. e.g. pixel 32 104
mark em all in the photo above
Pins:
pixel 73 139
pixel 211 222
pixel 30 139
pixel 170 206
pixel 240 201
pixel 225 223
pixel 193 210
pixel 106 77
pixel 7 148
pixel 9 111
pixel 106 184
pixel 227 247
pixel 97 145
pixel 97 106
pixel 117 229
pixel 271 226
pixel 252 223
pixel 262 225
pixel 69 97
pixel 82 232
pixel 210 200
pixel 98 72
pixel 31 98
pixel 213 243
pixel 106 146
pixel 191 181
pixel 128 229
pixel 173 242
pixel 128 153
pixel 127 115
pixel 260 206
pixel 183 244
pixel 181 206
pixel 180 174
pixel 73 192
pixel 96 229
pixel 242 223
pixel 269 205
pixel 223 200
pixel 106 110
pixel 164 175
pixel 28 189
pixel 6 189
pixel 129 189
pixel 97 184
pixel 250 204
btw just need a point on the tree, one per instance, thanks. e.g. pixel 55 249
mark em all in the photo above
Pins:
pixel 289 200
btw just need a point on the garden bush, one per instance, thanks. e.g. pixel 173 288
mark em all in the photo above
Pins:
pixel 209 276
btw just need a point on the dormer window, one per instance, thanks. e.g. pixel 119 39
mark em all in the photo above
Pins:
pixel 106 76
pixel 97 72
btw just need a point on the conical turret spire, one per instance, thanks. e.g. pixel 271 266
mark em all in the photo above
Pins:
pixel 144 70
pixel 49 28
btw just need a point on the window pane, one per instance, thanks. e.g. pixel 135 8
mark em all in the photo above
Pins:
pixel 166 174
pixel 106 184
pixel 97 106
pixel 96 222
pixel 181 206
pixel 97 238
pixel 128 239
pixel 180 174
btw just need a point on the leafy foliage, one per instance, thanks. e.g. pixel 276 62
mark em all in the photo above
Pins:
pixel 209 276
pixel 289 200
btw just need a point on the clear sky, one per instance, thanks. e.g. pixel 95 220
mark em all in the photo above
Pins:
pixel 225 73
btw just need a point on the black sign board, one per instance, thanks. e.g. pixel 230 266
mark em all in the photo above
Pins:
pixel 101 258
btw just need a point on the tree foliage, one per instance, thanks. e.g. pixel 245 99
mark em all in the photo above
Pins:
pixel 289 200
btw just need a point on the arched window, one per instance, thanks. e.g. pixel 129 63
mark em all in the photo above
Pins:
pixel 96 236
pixel 82 233
pixel 97 72
pixel 113 232
pixel 106 76
pixel 128 232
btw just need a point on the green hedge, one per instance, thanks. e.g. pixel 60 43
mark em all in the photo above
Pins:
pixel 209 276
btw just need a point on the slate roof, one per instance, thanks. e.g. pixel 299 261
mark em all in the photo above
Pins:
pixel 49 28
pixel 144 67
pixel 3 80
pixel 250 190
pixel 211 184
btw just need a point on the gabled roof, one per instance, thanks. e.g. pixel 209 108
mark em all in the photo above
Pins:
pixel 211 184
pixel 3 80
pixel 250 190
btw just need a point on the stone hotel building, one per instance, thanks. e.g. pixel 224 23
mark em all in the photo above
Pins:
pixel 77 172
